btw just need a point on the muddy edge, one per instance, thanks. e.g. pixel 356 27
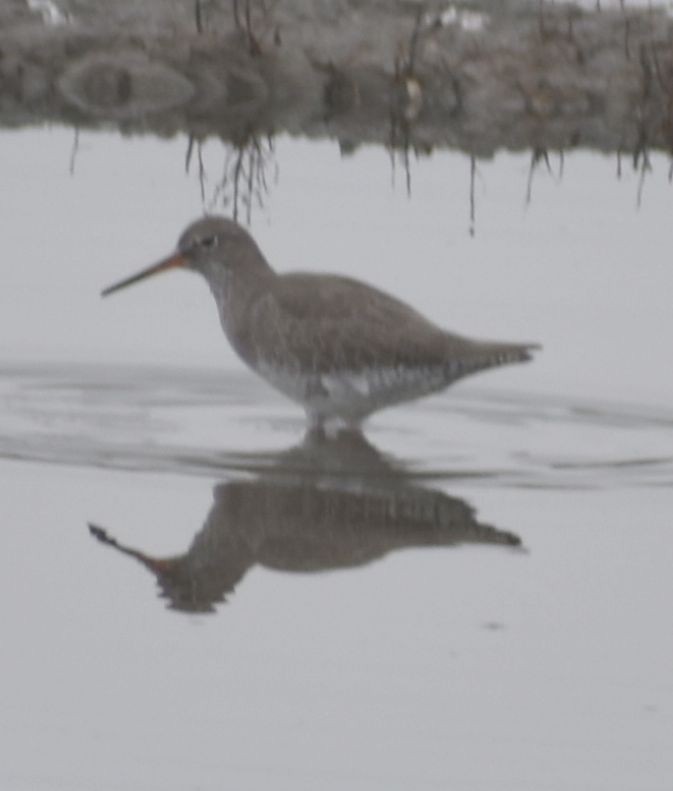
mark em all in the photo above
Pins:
pixel 400 74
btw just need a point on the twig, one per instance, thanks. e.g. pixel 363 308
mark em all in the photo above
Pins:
pixel 237 175
pixel 197 16
pixel 537 155
pixel 74 151
pixel 202 172
pixel 413 44
pixel 645 168
pixel 473 172
pixel 188 155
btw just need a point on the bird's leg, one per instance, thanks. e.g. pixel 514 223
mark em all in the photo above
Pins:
pixel 315 422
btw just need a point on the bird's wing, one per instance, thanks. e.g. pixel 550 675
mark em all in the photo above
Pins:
pixel 323 323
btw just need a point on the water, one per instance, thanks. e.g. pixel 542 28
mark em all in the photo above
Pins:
pixel 198 594
pixel 206 423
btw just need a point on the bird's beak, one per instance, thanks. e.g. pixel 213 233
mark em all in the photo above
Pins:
pixel 174 261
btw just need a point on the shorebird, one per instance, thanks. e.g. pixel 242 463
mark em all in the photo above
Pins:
pixel 337 346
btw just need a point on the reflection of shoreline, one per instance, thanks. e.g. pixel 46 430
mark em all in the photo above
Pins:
pixel 522 76
pixel 326 504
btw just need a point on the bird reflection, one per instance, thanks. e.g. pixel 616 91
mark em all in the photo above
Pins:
pixel 329 503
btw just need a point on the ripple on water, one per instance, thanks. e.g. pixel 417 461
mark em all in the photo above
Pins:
pixel 203 422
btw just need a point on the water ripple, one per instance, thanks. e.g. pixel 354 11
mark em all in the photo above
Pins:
pixel 202 422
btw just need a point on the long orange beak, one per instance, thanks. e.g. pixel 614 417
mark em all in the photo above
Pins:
pixel 174 261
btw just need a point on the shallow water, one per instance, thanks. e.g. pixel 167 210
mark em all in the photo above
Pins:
pixel 207 423
pixel 474 594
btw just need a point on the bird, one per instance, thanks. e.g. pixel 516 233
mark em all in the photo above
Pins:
pixel 337 346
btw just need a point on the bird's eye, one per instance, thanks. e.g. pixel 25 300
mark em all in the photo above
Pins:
pixel 208 242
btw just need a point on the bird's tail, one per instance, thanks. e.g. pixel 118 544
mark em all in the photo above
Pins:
pixel 505 353
pixel 482 355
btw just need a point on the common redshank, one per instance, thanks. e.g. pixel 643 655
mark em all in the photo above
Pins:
pixel 339 347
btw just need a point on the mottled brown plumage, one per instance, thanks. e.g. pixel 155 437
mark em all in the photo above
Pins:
pixel 339 347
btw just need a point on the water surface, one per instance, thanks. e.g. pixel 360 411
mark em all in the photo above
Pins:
pixel 471 595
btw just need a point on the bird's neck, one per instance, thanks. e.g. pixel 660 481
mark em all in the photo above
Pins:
pixel 235 288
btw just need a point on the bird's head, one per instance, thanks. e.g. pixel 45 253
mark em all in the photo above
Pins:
pixel 212 246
